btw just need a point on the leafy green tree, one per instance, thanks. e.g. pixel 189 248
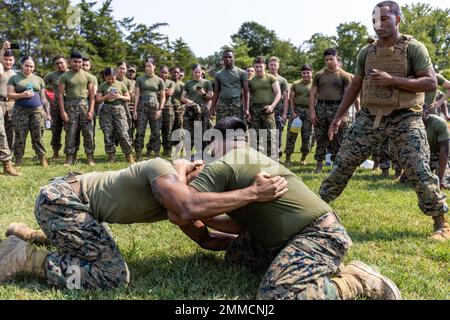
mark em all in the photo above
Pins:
pixel 315 48
pixel 258 38
pixel 351 38
pixel 182 54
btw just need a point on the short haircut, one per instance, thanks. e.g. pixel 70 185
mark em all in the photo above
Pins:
pixel 394 8
pixel 306 67
pixel 121 63
pixel 8 53
pixel 76 55
pixel 108 72
pixel 164 67
pixel 276 59
pixel 182 70
pixel 260 59
pixel 228 51
pixel 150 60
pixel 56 58
pixel 230 123
pixel 86 59
pixel 330 52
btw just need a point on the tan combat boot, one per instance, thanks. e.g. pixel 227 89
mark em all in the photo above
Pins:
pixel 69 160
pixel 319 167
pixel 55 154
pixel 303 161
pixel 441 229
pixel 90 159
pixel 112 158
pixel 130 159
pixel 19 162
pixel 358 279
pixel 18 256
pixel 43 161
pixel 22 231
pixel 8 169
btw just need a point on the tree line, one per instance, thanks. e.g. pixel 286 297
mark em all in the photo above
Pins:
pixel 46 28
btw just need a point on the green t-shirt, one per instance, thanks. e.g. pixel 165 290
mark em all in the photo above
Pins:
pixel 76 84
pixel 51 79
pixel 301 91
pixel 125 196
pixel 4 82
pixel 437 132
pixel 191 89
pixel 231 81
pixel 430 96
pixel 331 84
pixel 416 53
pixel 128 83
pixel 261 89
pixel 121 88
pixel 169 85
pixel 20 82
pixel 176 98
pixel 273 223
pixel 150 86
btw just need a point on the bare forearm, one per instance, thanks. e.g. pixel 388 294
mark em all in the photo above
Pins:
pixel 443 161
pixel 422 84
pixel 349 98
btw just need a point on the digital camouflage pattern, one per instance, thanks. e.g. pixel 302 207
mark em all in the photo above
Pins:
pixel 7 108
pixel 77 111
pixel 146 114
pixel 325 116
pixel 57 126
pixel 28 120
pixel 229 108
pixel 263 121
pixel 83 243
pixel 5 152
pixel 168 119
pixel 199 114
pixel 306 131
pixel 113 122
pixel 301 270
pixel 407 133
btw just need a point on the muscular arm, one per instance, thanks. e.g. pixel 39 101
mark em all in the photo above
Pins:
pixel 246 102
pixel 443 160
pixel 189 205
pixel 424 81
pixel 215 96
pixel 213 241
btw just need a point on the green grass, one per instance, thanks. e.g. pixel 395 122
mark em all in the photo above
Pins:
pixel 381 216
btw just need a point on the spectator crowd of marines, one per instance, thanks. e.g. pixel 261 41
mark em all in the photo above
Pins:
pixel 401 120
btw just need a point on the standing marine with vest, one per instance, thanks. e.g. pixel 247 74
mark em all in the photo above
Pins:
pixel 230 90
pixel 329 86
pixel 393 73
pixel 148 109
pixel 51 79
pixel 76 97
pixel 168 115
pixel 299 102
pixel 31 109
pixel 7 60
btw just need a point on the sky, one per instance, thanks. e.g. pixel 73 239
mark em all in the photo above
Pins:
pixel 208 24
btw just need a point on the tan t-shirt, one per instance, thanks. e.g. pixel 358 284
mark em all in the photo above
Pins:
pixel 125 196
pixel 301 91
pixel 331 85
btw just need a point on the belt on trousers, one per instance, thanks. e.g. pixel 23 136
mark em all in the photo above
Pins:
pixel 327 220
pixel 73 179
pixel 329 101
pixel 230 100
pixel 148 98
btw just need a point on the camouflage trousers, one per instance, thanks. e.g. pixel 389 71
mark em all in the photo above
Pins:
pixel 178 119
pixel 77 110
pixel 5 152
pixel 168 119
pixel 325 116
pixel 7 108
pixel 146 114
pixel 113 122
pixel 231 108
pixel 301 270
pixel 266 131
pixel 57 126
pixel 132 124
pixel 28 120
pixel 384 156
pixel 279 123
pixel 306 131
pixel 87 256
pixel 407 133
pixel 199 119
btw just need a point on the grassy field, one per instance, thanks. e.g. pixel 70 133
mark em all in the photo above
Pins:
pixel 381 216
